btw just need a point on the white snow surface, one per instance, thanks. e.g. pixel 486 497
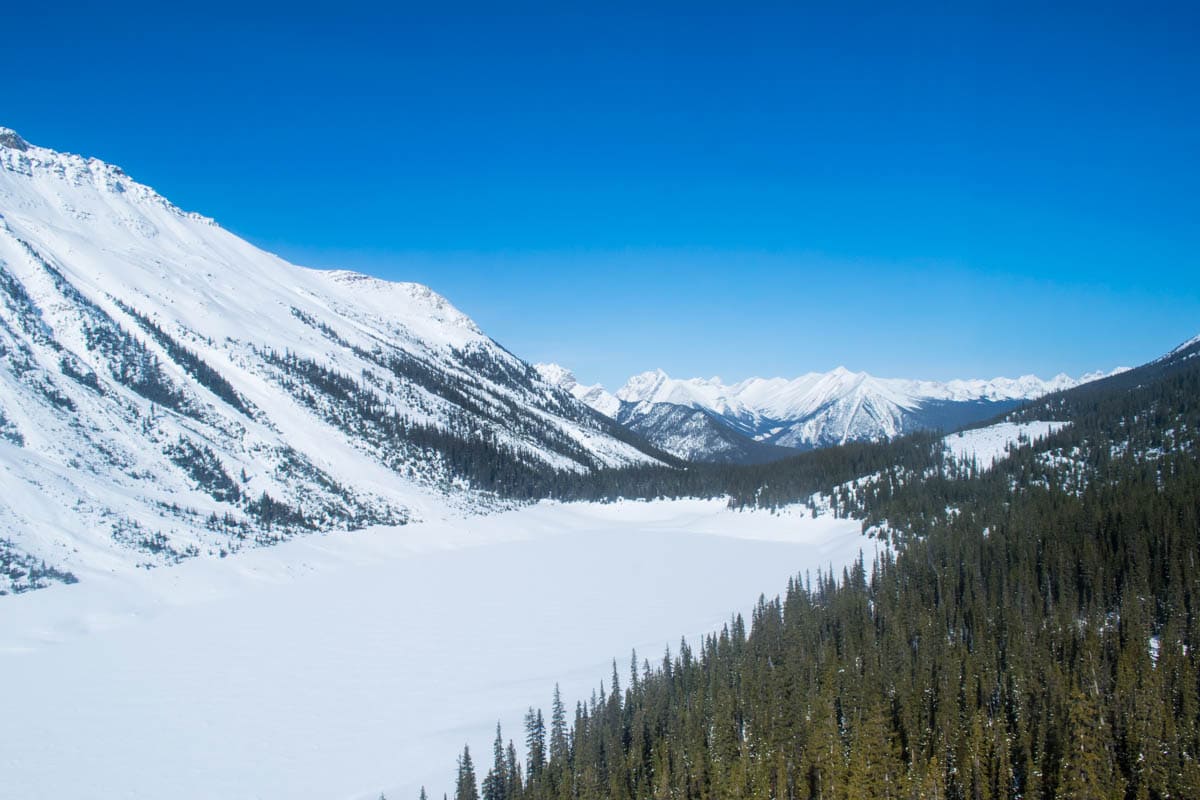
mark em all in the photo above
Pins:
pixel 992 444
pixel 87 473
pixel 349 664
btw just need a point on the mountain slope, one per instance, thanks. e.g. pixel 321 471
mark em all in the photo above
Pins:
pixel 695 434
pixel 171 390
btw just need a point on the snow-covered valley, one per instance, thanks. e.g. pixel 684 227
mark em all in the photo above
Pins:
pixel 346 664
pixel 172 398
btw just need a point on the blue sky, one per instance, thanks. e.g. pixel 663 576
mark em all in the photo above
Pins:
pixel 997 189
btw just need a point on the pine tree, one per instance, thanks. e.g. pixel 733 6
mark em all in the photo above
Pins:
pixel 558 727
pixel 466 787
pixel 516 782
pixel 496 782
pixel 535 743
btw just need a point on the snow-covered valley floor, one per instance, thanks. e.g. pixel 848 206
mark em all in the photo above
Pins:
pixel 341 666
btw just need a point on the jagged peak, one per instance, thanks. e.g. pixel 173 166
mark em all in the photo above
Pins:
pixel 643 383
pixel 556 375
pixel 20 156
pixel 760 399
pixel 12 140
pixel 846 376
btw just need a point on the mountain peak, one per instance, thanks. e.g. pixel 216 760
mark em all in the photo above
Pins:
pixel 595 395
pixel 1189 343
pixel 645 383
pixel 557 375
pixel 12 140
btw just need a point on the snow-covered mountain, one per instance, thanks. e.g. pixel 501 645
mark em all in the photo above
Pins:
pixel 169 390
pixel 690 432
pixel 814 410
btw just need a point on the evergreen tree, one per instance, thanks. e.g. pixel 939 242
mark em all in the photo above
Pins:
pixel 496 782
pixel 558 727
pixel 466 787
pixel 535 743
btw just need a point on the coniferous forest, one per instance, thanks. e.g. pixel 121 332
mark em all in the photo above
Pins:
pixel 1031 633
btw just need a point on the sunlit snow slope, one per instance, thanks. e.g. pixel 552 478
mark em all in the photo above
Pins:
pixel 169 390
pixel 986 446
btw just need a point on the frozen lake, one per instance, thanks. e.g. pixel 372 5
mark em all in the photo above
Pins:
pixel 345 665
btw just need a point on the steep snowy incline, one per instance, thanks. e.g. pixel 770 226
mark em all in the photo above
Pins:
pixel 169 390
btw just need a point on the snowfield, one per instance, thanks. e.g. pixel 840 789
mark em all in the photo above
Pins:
pixel 346 664
pixel 991 444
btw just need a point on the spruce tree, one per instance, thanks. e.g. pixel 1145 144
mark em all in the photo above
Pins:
pixel 466 787
pixel 535 743
pixel 558 727
pixel 496 782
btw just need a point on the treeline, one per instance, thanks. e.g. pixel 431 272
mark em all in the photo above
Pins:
pixel 773 485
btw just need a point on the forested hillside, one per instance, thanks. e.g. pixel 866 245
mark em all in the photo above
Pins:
pixel 1032 635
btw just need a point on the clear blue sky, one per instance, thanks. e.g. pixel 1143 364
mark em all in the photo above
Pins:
pixel 991 190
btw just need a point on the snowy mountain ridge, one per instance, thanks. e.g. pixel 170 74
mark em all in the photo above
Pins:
pixel 813 410
pixel 783 398
pixel 169 390
pixel 595 396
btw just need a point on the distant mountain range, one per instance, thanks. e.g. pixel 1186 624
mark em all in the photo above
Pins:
pixel 763 418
